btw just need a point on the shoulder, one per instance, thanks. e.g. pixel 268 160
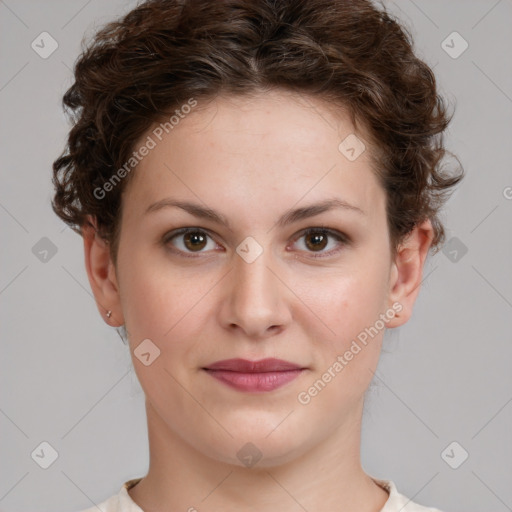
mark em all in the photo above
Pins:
pixel 120 502
pixel 398 502
pixel 109 505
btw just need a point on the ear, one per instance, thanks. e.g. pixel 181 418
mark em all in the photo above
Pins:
pixel 102 274
pixel 407 272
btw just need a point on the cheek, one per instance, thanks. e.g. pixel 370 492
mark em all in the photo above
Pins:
pixel 348 324
pixel 345 361
pixel 171 309
pixel 349 301
pixel 167 310
pixel 154 293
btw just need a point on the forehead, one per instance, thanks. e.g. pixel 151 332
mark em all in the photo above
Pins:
pixel 274 149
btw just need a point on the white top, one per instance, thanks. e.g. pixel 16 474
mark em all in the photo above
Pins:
pixel 122 501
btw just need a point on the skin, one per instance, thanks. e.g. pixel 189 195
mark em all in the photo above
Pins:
pixel 251 159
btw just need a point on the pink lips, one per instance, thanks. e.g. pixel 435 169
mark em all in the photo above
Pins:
pixel 254 376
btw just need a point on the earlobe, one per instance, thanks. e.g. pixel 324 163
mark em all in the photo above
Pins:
pixel 407 271
pixel 102 275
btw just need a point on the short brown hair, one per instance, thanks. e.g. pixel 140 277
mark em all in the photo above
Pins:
pixel 163 52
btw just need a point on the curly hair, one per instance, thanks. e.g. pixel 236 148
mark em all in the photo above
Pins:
pixel 140 68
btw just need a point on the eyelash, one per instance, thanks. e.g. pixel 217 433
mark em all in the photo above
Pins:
pixel 340 237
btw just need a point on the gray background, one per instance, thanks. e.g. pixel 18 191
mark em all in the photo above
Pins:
pixel 67 379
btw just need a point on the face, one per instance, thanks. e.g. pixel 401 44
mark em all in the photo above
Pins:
pixel 248 281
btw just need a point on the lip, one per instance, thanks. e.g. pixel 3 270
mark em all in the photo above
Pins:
pixel 245 366
pixel 254 376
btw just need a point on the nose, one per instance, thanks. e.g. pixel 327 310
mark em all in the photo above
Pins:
pixel 257 301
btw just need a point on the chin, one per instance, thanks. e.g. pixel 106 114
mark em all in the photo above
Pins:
pixel 259 444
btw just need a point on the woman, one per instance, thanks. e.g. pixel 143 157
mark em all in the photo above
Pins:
pixel 257 184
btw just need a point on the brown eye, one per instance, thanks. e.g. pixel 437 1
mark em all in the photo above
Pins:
pixel 194 240
pixel 190 240
pixel 316 241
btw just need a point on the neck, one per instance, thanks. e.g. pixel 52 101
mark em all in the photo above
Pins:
pixel 327 477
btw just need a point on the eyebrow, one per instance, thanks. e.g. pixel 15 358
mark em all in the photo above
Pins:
pixel 289 217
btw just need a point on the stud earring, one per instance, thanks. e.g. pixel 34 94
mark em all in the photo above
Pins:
pixel 109 313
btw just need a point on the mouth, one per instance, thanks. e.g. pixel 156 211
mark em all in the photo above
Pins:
pixel 254 376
